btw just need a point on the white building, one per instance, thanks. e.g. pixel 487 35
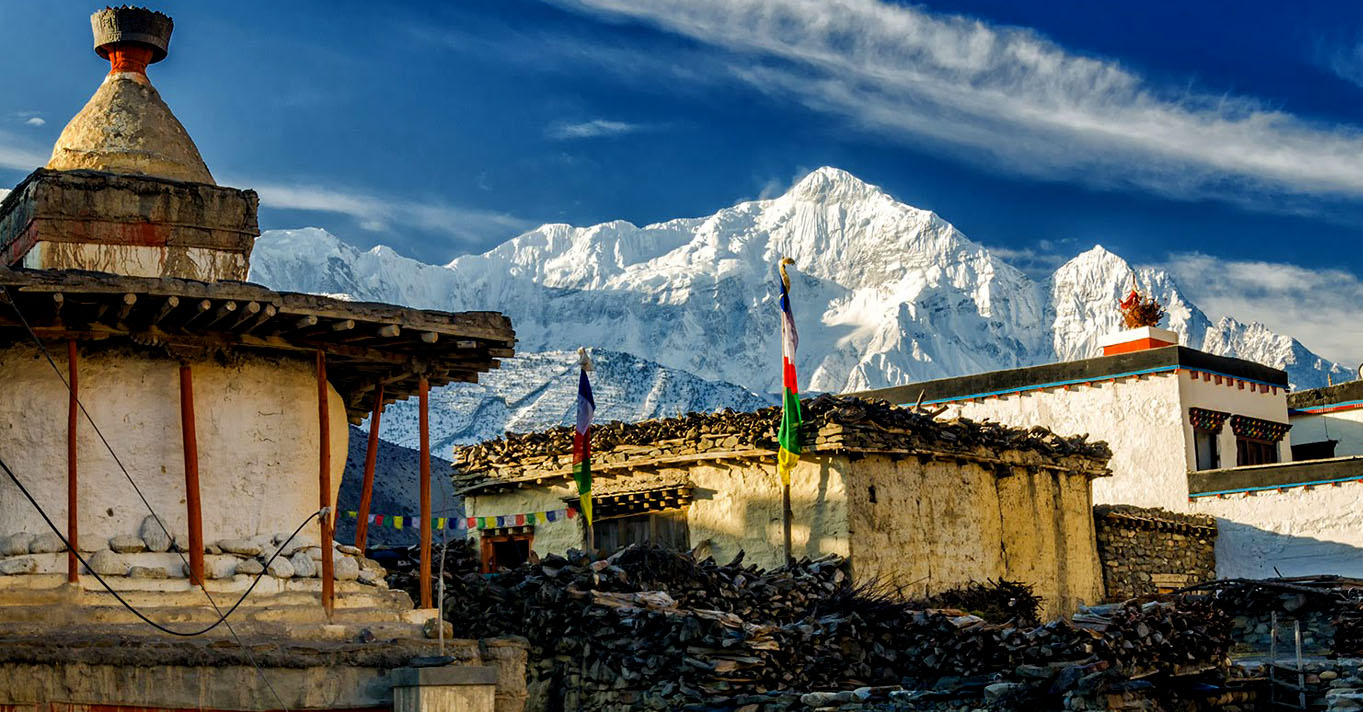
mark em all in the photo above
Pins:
pixel 1193 432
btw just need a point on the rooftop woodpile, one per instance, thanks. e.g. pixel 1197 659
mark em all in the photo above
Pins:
pixel 832 424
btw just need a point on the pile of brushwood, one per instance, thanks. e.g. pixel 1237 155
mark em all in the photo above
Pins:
pixel 649 628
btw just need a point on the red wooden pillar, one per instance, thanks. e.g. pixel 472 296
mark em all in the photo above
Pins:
pixel 425 427
pixel 324 485
pixel 72 411
pixel 370 457
pixel 191 449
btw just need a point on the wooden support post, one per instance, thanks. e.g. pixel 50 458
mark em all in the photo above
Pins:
pixel 785 520
pixel 423 393
pixel 324 486
pixel 193 506
pixel 370 458
pixel 72 413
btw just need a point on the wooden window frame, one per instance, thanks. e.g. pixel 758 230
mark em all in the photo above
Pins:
pixel 487 553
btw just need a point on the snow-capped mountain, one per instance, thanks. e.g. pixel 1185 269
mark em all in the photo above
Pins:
pixel 884 294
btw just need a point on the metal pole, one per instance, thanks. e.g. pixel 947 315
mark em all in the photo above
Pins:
pixel 324 486
pixel 424 425
pixel 370 458
pixel 72 409
pixel 440 600
pixel 194 508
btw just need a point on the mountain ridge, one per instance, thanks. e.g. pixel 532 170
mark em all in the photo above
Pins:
pixel 884 294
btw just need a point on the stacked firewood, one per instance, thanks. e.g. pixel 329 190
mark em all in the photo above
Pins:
pixel 870 423
pixel 651 628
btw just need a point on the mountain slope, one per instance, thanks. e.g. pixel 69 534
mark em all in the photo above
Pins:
pixel 884 294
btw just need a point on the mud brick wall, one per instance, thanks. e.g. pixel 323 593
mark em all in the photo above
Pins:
pixel 1144 551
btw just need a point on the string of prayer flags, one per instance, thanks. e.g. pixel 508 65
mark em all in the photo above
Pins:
pixel 400 521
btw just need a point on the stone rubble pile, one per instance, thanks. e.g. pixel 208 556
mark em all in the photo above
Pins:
pixel 151 554
pixel 648 628
pixel 828 421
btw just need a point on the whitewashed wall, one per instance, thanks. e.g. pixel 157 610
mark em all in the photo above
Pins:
pixel 1140 418
pixel 1230 398
pixel 1346 426
pixel 1297 532
pixel 257 435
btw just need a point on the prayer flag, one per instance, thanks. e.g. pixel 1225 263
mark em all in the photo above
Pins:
pixel 788 435
pixel 582 439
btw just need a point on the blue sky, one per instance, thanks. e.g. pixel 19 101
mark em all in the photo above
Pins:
pixel 1221 140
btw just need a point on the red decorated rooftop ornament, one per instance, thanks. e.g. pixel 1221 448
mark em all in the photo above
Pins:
pixel 1140 310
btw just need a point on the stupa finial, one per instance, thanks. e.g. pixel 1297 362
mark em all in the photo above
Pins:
pixel 131 37
pixel 1140 310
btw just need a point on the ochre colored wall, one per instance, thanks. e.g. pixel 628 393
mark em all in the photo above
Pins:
pixel 933 525
pixel 257 436
pixel 936 525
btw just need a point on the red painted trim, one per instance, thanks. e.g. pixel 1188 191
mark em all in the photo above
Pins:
pixel 193 506
pixel 324 485
pixel 370 459
pixel 72 411
pixel 1127 347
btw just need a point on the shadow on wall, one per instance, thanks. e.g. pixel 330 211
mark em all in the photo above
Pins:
pixel 397 490
pixel 1245 551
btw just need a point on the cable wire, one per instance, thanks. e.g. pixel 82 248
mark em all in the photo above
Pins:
pixel 222 618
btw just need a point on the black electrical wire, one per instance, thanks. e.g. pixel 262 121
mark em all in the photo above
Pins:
pixel 184 634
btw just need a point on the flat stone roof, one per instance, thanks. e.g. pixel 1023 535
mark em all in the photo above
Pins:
pixel 1279 477
pixel 1069 373
pixel 365 343
pixel 1341 396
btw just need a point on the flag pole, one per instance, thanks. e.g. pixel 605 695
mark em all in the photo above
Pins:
pixel 582 448
pixel 788 434
pixel 786 517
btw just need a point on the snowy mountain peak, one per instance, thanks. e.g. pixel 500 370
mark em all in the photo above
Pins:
pixel 883 293
pixel 833 185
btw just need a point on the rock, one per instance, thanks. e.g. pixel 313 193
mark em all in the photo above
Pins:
pixel 299 543
pixel 1329 675
pixel 349 550
pixel 369 578
pixel 153 535
pixel 48 543
pixel 999 690
pixel 431 628
pixel 147 572
pixel 346 569
pixel 107 563
pixel 372 565
pixel 242 547
pixel 281 568
pixel 11 567
pixel 315 552
pixel 216 566
pixel 127 544
pixel 250 567
pixel 16 544
pixel 303 565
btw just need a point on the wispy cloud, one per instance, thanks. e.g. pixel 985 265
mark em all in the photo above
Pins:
pixel 35 121
pixel 1320 307
pixel 1345 62
pixel 1010 97
pixel 378 213
pixel 594 128
pixel 1040 259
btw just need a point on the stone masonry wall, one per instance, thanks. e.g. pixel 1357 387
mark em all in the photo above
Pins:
pixel 1145 550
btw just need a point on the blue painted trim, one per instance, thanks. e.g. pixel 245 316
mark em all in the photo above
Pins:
pixel 1329 407
pixel 1276 487
pixel 1080 381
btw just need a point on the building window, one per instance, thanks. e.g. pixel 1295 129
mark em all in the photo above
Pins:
pixel 1206 451
pixel 656 516
pixel 505 548
pixel 1206 429
pixel 666 529
pixel 1255 452
pixel 1323 450
pixel 1256 441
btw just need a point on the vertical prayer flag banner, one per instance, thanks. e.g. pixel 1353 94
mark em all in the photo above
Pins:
pixel 788 435
pixel 582 439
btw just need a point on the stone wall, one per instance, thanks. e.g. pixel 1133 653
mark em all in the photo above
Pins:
pixel 1144 551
